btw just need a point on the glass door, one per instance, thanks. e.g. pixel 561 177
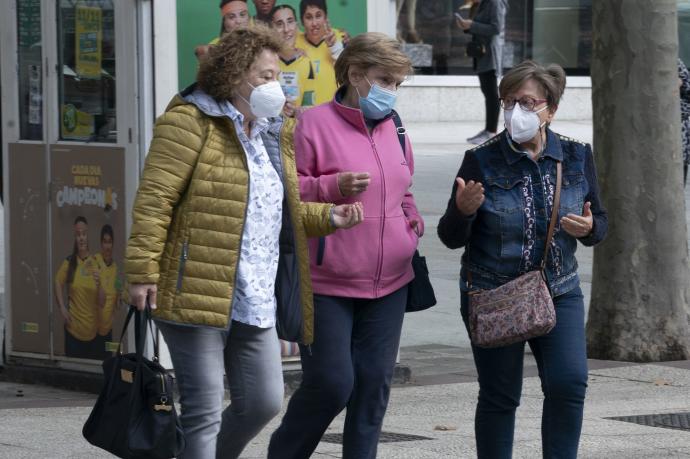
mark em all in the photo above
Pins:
pixel 95 56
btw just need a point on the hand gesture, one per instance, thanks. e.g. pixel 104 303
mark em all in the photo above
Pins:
pixel 468 198
pixel 464 24
pixel 579 225
pixel 139 293
pixel 330 35
pixel 351 183
pixel 66 316
pixel 348 215
pixel 346 37
pixel 96 274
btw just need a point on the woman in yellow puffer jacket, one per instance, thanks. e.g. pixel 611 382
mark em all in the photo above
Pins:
pixel 218 242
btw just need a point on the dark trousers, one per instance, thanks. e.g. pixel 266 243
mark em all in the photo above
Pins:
pixel 349 365
pixel 562 362
pixel 489 87
pixel 83 349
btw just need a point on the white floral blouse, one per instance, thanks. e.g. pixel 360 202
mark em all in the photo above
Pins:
pixel 254 301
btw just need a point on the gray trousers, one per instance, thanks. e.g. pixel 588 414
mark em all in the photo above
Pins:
pixel 250 356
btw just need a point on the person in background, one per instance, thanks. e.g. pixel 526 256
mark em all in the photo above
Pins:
pixel 349 150
pixel 488 30
pixel 263 10
pixel 110 287
pixel 296 72
pixel 322 44
pixel 684 82
pixel 433 21
pixel 217 221
pixel 234 14
pixel 499 210
pixel 77 282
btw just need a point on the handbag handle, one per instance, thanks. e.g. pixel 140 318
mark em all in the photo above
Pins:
pixel 552 222
pixel 143 319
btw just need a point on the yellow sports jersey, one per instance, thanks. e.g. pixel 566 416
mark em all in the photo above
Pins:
pixel 297 81
pixel 83 298
pixel 323 64
pixel 111 285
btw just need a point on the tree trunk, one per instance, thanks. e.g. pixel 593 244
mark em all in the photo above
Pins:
pixel 641 279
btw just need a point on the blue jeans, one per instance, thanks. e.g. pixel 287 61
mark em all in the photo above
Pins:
pixel 562 362
pixel 250 356
pixel 349 365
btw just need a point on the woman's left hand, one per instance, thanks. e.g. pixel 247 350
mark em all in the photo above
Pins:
pixel 414 223
pixel 579 225
pixel 464 24
pixel 348 215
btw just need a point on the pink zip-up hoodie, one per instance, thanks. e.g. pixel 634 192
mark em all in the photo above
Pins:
pixel 373 258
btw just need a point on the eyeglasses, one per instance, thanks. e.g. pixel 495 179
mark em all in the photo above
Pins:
pixel 527 103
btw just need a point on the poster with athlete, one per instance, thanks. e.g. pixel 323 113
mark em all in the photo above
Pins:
pixel 88 241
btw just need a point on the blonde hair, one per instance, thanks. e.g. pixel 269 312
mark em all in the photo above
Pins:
pixel 224 68
pixel 550 78
pixel 372 49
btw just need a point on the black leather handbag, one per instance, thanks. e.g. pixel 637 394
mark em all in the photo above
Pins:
pixel 420 292
pixel 134 416
pixel 475 50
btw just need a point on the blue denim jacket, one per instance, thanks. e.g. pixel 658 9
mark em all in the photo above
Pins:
pixel 506 236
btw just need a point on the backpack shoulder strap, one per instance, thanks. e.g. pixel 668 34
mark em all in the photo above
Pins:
pixel 400 129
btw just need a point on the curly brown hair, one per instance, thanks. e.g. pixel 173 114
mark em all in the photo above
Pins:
pixel 225 67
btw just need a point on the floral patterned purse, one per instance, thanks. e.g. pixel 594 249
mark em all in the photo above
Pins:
pixel 517 310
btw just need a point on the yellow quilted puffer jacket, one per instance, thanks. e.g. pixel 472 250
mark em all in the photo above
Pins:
pixel 189 215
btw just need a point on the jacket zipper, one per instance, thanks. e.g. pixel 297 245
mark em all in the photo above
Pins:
pixel 379 266
pixel 183 262
pixel 244 222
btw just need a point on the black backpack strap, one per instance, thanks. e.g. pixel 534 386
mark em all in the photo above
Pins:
pixel 400 129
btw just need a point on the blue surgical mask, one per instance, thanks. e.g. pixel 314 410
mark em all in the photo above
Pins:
pixel 378 103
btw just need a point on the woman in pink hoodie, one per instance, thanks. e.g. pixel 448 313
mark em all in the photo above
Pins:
pixel 349 150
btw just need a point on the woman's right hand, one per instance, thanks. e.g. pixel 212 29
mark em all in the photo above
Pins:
pixel 351 183
pixel 468 197
pixel 67 317
pixel 348 215
pixel 139 293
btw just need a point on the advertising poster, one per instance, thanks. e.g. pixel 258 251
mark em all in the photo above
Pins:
pixel 200 22
pixel 30 287
pixel 88 241
pixel 88 35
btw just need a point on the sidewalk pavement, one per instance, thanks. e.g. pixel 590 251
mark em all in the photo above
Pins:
pixel 46 423
pixel 438 402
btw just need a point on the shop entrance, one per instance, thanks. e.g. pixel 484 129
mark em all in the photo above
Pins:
pixel 72 147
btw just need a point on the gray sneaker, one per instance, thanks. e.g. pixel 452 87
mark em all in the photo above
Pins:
pixel 480 138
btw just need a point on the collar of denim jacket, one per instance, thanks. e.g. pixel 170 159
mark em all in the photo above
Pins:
pixel 513 153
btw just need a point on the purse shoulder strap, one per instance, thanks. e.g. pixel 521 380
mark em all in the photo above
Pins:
pixel 554 215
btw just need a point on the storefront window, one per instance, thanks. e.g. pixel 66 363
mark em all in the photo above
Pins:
pixel 30 69
pixel 548 31
pixel 86 72
pixel 684 30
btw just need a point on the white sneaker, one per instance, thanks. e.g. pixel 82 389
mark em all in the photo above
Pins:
pixel 480 138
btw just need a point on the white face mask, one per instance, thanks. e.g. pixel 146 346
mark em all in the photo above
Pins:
pixel 266 100
pixel 522 124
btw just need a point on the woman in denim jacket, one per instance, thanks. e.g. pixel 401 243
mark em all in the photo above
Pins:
pixel 499 210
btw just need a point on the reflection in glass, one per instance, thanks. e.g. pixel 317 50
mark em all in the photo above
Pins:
pixel 29 58
pixel 557 31
pixel 87 70
pixel 684 31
